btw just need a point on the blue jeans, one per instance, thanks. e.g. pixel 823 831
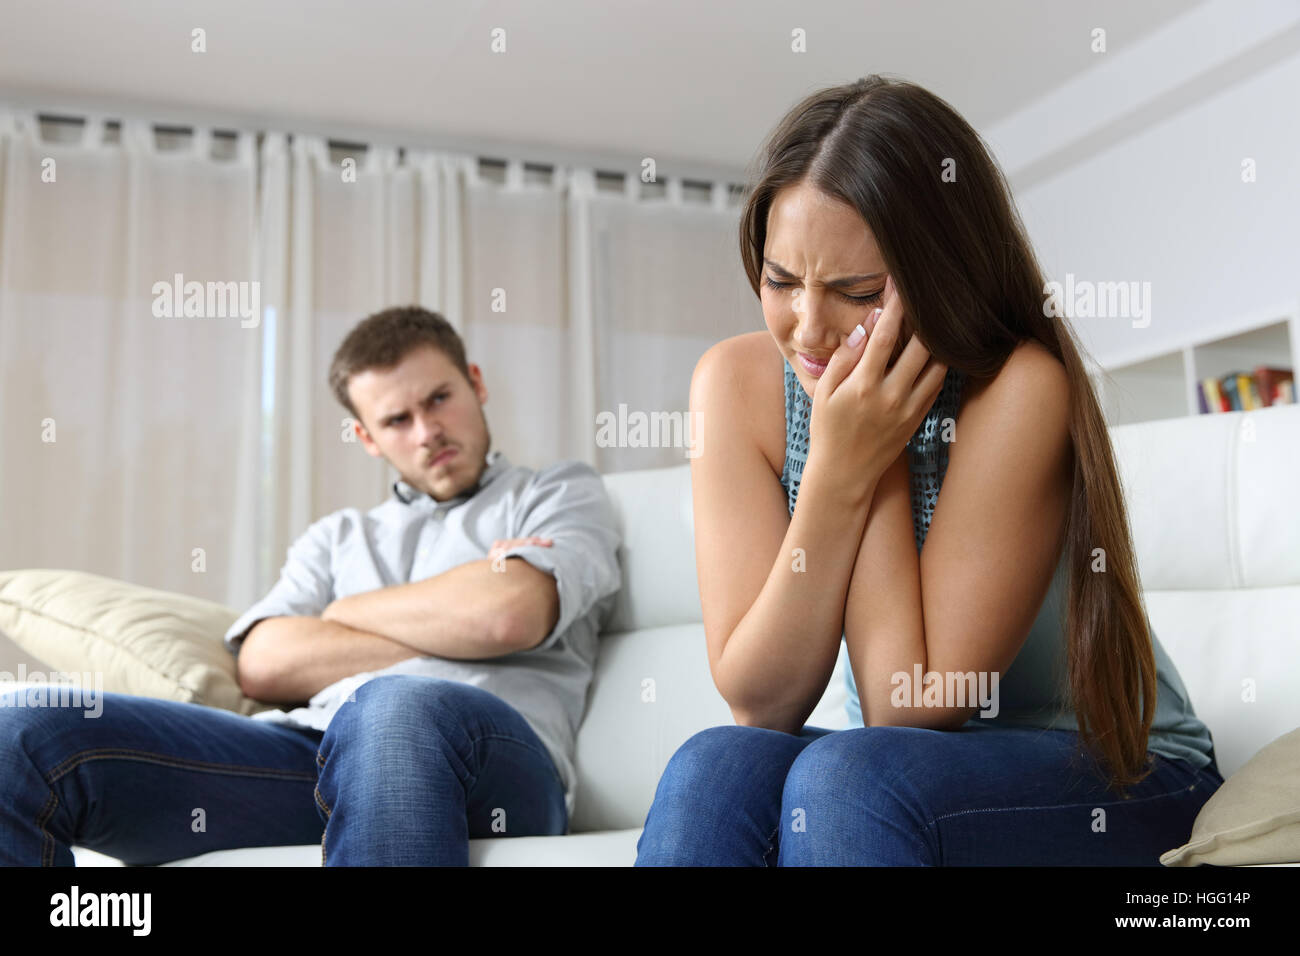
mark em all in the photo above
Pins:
pixel 405 775
pixel 905 796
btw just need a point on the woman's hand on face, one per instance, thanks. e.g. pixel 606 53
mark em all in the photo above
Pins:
pixel 863 413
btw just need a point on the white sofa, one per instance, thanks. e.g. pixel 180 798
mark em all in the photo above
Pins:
pixel 1217 531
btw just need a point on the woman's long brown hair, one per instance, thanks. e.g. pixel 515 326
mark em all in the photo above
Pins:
pixel 973 290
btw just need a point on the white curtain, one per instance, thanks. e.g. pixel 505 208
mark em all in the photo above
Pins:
pixel 121 429
pixel 581 302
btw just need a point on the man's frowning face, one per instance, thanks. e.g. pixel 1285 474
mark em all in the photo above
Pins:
pixel 426 420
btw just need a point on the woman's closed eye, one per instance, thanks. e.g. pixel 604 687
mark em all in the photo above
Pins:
pixel 871 299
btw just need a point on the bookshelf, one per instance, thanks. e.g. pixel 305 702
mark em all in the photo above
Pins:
pixel 1142 387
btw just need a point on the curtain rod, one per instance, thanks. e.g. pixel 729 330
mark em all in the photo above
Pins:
pixel 172 129
pixel 689 182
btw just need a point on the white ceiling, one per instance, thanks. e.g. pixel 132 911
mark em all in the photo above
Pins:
pixel 694 83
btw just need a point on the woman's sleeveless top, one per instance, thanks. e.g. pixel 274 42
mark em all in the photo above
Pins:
pixel 1033 692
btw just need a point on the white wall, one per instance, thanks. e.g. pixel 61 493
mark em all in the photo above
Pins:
pixel 1164 202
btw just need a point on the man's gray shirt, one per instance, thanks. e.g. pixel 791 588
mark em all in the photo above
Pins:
pixel 411 537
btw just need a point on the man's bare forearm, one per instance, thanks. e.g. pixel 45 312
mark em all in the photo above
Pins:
pixel 291 659
pixel 475 611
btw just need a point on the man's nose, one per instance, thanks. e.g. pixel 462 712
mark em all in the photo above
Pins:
pixel 431 432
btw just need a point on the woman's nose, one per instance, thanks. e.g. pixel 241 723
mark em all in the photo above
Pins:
pixel 813 331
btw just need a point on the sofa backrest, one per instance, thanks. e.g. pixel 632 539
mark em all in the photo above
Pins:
pixel 660 588
pixel 1216 524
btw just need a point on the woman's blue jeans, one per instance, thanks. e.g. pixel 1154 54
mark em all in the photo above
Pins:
pixel 905 796
pixel 405 774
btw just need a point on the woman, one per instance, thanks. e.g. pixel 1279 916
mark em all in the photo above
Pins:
pixel 1015 706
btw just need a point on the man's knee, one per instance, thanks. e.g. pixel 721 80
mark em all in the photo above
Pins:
pixel 401 706
pixel 24 723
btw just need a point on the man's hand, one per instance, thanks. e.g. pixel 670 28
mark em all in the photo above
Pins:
pixel 505 544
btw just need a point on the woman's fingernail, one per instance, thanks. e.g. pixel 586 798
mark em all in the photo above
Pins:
pixel 856 336
pixel 875 317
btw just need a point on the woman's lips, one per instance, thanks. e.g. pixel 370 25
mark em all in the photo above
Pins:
pixel 813 367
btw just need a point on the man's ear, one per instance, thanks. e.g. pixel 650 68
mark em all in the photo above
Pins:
pixel 476 381
pixel 367 442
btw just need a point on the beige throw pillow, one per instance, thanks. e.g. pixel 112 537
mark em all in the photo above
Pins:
pixel 142 641
pixel 1254 817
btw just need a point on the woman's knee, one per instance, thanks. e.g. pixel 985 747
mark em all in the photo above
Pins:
pixel 866 761
pixel 718 758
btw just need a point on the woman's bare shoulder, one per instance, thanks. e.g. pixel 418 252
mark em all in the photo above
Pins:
pixel 1030 360
pixel 1031 370
pixel 752 371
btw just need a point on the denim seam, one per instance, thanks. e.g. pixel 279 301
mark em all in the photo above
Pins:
pixel 1063 806
pixel 108 753
pixel 771 842
pixel 47 839
pixel 144 756
pixel 320 802
pixel 320 762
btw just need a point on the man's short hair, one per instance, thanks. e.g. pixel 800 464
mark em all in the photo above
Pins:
pixel 382 340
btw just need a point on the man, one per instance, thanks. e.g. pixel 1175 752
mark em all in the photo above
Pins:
pixel 443 642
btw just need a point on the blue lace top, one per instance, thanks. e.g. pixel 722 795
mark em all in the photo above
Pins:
pixel 1033 692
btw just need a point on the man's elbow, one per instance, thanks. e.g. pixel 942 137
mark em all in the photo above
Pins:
pixel 251 682
pixel 251 671
pixel 524 628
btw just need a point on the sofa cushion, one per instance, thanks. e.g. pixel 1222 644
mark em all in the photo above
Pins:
pixel 136 640
pixel 1254 817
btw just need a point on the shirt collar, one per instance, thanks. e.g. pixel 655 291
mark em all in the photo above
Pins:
pixel 497 463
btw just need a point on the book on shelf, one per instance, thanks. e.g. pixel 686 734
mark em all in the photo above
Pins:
pixel 1242 391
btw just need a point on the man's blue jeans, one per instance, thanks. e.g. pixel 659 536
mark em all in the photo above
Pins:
pixel 404 775
pixel 905 796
